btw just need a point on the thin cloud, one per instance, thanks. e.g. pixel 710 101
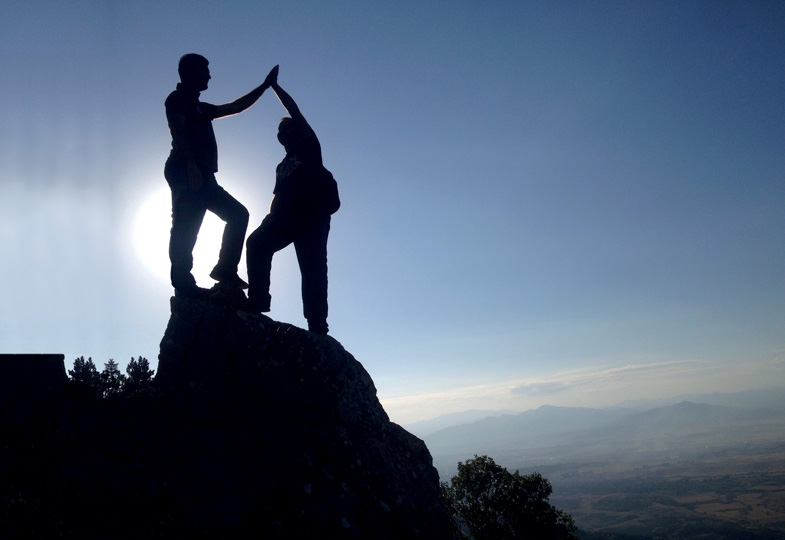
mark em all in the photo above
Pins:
pixel 592 387
pixel 596 376
pixel 543 388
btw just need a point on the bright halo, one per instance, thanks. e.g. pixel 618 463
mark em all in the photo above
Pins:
pixel 151 239
pixel 151 233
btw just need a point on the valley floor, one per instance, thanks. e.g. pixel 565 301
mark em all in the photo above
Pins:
pixel 733 494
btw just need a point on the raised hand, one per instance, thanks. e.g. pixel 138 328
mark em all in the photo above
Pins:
pixel 272 77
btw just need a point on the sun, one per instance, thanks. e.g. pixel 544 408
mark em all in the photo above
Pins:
pixel 151 239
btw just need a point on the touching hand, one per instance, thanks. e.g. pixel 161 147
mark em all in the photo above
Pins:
pixel 272 77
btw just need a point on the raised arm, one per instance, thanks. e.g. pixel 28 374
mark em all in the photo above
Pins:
pixel 287 101
pixel 242 103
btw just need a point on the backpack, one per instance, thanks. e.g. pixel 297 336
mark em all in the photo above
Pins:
pixel 326 196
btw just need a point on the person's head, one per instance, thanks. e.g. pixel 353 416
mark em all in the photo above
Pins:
pixel 291 133
pixel 193 71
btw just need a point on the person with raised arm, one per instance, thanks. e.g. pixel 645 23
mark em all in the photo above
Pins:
pixel 305 195
pixel 190 172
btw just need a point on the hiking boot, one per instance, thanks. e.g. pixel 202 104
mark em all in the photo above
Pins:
pixel 255 305
pixel 228 278
pixel 320 328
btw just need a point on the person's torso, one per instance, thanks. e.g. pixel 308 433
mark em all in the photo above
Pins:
pixel 295 177
pixel 198 128
pixel 298 167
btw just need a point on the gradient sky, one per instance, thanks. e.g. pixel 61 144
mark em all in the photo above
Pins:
pixel 570 203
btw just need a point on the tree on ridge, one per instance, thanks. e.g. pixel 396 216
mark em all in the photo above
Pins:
pixel 487 502
pixel 139 376
pixel 85 371
pixel 111 382
pixel 112 379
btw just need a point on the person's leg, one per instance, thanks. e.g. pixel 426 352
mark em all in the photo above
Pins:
pixel 271 236
pixel 235 215
pixel 187 215
pixel 311 247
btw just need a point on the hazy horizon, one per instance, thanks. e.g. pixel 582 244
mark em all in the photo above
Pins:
pixel 602 388
pixel 426 426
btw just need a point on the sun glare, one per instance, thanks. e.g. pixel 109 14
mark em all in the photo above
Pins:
pixel 151 239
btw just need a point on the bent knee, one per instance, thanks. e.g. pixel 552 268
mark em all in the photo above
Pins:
pixel 252 242
pixel 243 215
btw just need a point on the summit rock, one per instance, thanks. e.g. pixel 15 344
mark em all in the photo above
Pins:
pixel 252 429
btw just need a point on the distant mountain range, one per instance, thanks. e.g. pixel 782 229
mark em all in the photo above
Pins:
pixel 641 431
pixel 426 427
pixel 691 467
pixel 773 398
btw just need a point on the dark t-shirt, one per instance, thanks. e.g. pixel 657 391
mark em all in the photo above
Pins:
pixel 198 116
pixel 296 178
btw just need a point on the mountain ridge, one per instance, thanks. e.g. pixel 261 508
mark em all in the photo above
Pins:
pixel 771 397
pixel 581 433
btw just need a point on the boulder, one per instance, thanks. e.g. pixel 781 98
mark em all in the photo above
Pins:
pixel 252 429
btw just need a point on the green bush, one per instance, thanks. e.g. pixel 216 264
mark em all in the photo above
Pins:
pixel 487 502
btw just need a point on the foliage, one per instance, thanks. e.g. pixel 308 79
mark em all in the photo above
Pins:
pixel 84 371
pixel 111 382
pixel 112 379
pixel 487 502
pixel 139 376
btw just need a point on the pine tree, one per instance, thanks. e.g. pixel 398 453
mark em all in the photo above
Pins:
pixel 84 371
pixel 139 376
pixel 112 380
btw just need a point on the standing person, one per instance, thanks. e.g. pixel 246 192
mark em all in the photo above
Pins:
pixel 190 172
pixel 305 195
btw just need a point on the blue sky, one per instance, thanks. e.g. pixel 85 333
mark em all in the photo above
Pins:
pixel 571 203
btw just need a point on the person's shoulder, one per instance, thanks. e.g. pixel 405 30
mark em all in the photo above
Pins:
pixel 175 98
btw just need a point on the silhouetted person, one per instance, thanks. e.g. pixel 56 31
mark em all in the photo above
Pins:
pixel 190 171
pixel 299 214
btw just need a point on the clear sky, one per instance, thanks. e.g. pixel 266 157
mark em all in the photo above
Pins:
pixel 571 203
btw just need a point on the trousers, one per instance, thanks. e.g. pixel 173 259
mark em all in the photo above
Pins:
pixel 188 209
pixel 309 237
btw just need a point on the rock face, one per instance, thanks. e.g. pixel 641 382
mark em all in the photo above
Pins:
pixel 252 429
pixel 29 377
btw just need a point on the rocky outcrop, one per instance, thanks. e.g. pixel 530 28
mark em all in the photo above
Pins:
pixel 29 378
pixel 252 429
